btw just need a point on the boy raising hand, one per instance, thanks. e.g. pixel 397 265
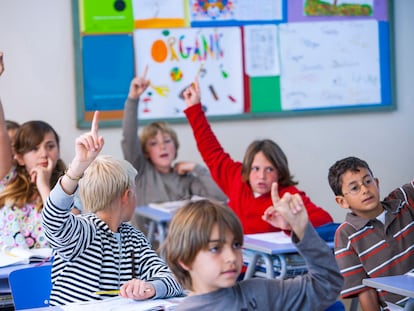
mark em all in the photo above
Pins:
pixel 207 234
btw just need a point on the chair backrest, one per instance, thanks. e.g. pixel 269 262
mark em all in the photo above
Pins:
pixel 30 287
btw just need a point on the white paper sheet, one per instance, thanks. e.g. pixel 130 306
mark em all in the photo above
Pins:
pixel 273 237
pixel 122 304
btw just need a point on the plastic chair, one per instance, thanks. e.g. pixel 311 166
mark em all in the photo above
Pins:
pixel 30 287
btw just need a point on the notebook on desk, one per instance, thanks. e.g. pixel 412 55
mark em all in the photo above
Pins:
pixel 17 256
pixel 173 206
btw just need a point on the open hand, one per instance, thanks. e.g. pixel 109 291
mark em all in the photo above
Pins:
pixel 287 212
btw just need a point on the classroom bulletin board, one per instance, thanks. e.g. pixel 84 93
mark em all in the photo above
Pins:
pixel 253 59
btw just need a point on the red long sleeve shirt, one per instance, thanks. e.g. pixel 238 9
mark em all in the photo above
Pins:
pixel 227 174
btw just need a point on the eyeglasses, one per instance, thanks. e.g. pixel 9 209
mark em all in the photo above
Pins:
pixel 355 189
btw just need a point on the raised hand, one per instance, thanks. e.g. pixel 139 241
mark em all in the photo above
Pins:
pixel 192 94
pixel 138 85
pixel 89 145
pixel 287 212
pixel 87 148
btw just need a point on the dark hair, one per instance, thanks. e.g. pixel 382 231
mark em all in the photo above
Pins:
pixel 190 230
pixel 340 167
pixel 12 125
pixel 274 154
pixel 20 190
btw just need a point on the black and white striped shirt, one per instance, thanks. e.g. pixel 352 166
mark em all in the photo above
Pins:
pixel 89 257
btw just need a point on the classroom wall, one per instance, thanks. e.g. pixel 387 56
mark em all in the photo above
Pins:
pixel 37 39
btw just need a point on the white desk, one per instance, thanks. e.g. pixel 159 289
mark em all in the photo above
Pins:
pixel 400 284
pixel 158 221
pixel 117 304
pixel 268 251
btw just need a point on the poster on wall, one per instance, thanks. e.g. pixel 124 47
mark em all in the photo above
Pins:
pixel 176 56
pixel 329 64
pixel 252 58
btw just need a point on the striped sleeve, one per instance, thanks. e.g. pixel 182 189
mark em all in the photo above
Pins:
pixel 349 262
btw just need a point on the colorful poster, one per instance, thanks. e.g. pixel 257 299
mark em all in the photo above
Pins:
pixel 176 56
pixel 339 7
pixel 159 13
pixel 234 12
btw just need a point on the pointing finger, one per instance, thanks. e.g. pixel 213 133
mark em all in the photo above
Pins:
pixel 144 73
pixel 196 85
pixel 275 193
pixel 95 122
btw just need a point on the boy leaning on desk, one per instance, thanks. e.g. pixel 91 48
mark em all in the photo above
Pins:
pixel 377 238
pixel 204 250
pixel 98 252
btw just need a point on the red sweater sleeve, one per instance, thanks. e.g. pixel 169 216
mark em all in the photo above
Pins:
pixel 213 154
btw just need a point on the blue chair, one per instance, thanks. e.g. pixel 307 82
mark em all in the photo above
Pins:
pixel 30 287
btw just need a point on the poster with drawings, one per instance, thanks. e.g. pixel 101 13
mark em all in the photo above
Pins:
pixel 329 64
pixel 176 56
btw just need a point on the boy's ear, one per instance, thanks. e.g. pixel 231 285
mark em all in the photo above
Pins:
pixel 341 201
pixel 125 195
pixel 184 266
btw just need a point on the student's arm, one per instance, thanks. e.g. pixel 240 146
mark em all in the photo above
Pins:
pixel 62 229
pixel 369 300
pixel 1 63
pixel 6 157
pixel 155 280
pixel 222 167
pixel 320 287
pixel 131 146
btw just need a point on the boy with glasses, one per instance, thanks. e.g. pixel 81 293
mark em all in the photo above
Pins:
pixel 377 237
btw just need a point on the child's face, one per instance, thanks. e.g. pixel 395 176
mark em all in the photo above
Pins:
pixel 218 266
pixel 360 194
pixel 262 174
pixel 161 151
pixel 47 150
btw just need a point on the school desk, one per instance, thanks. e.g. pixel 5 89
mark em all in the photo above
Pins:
pixel 117 304
pixel 158 222
pixel 268 247
pixel 399 284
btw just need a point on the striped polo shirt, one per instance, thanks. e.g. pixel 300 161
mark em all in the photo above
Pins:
pixel 370 248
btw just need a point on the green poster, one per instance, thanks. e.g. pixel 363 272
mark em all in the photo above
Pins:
pixel 106 16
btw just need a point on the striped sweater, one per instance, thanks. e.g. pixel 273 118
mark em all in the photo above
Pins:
pixel 89 257
pixel 368 248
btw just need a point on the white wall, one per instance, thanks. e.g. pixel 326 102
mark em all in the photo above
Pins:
pixel 37 39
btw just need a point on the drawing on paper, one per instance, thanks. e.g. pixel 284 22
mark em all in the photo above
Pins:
pixel 176 56
pixel 339 7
